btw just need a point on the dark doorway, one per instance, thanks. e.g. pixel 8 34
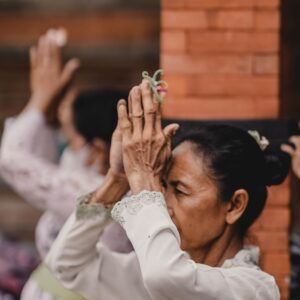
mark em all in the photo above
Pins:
pixel 290 59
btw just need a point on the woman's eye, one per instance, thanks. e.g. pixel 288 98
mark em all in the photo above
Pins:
pixel 177 191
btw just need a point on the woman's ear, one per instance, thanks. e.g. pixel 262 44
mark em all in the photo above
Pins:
pixel 236 206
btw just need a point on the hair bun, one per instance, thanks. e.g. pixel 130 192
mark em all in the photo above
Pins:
pixel 277 166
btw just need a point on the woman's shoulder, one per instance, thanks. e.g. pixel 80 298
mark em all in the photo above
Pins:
pixel 262 284
pixel 243 271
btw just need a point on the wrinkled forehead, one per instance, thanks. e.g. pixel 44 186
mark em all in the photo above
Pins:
pixel 186 162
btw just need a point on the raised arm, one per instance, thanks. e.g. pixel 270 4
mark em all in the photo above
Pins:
pixel 29 148
pixel 294 152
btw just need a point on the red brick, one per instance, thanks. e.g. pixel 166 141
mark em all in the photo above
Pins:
pixel 220 108
pixel 283 284
pixel 178 84
pixel 223 85
pixel 273 218
pixel 266 64
pixel 172 19
pixel 279 195
pixel 173 4
pixel 270 241
pixel 206 64
pixel 173 41
pixel 266 107
pixel 209 108
pixel 277 263
pixel 237 19
pixel 89 29
pixel 232 42
pixel 269 19
pixel 267 3
pixel 219 3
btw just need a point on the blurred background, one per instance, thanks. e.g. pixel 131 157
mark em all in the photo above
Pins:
pixel 115 40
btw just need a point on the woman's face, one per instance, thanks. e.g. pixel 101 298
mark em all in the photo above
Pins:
pixel 192 200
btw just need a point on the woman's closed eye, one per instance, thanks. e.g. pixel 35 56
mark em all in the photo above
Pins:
pixel 179 190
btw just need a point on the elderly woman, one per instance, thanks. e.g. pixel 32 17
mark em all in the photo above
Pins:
pixel 186 217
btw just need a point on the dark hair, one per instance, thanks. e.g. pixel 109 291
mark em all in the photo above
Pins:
pixel 95 113
pixel 234 160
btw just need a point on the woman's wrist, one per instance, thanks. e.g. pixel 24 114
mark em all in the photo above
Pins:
pixel 144 181
pixel 36 102
pixel 114 187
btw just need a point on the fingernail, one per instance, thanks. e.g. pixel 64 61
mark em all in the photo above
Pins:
pixel 146 83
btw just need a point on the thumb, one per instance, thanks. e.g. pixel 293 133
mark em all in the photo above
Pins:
pixel 69 70
pixel 170 130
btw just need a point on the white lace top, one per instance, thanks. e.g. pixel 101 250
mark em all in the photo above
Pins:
pixel 28 163
pixel 158 269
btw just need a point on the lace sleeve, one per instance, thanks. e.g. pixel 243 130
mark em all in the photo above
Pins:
pixel 86 210
pixel 86 266
pixel 133 204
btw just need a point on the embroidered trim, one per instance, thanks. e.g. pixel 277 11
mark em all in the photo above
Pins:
pixel 86 210
pixel 133 204
pixel 247 257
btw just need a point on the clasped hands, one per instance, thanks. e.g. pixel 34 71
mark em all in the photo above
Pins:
pixel 140 148
pixel 146 146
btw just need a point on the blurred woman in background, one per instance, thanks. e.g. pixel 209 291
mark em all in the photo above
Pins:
pixel 29 153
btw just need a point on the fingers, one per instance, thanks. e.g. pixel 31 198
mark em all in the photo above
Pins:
pixel 40 50
pixel 43 53
pixel 69 70
pixel 170 130
pixel 288 149
pixel 33 57
pixel 292 151
pixel 149 106
pixel 136 111
pixel 296 141
pixel 158 127
pixel 123 120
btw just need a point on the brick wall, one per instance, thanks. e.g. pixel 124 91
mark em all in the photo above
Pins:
pixel 221 60
pixel 221 54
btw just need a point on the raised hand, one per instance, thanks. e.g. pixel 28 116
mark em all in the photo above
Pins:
pixel 146 146
pixel 294 153
pixel 49 77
